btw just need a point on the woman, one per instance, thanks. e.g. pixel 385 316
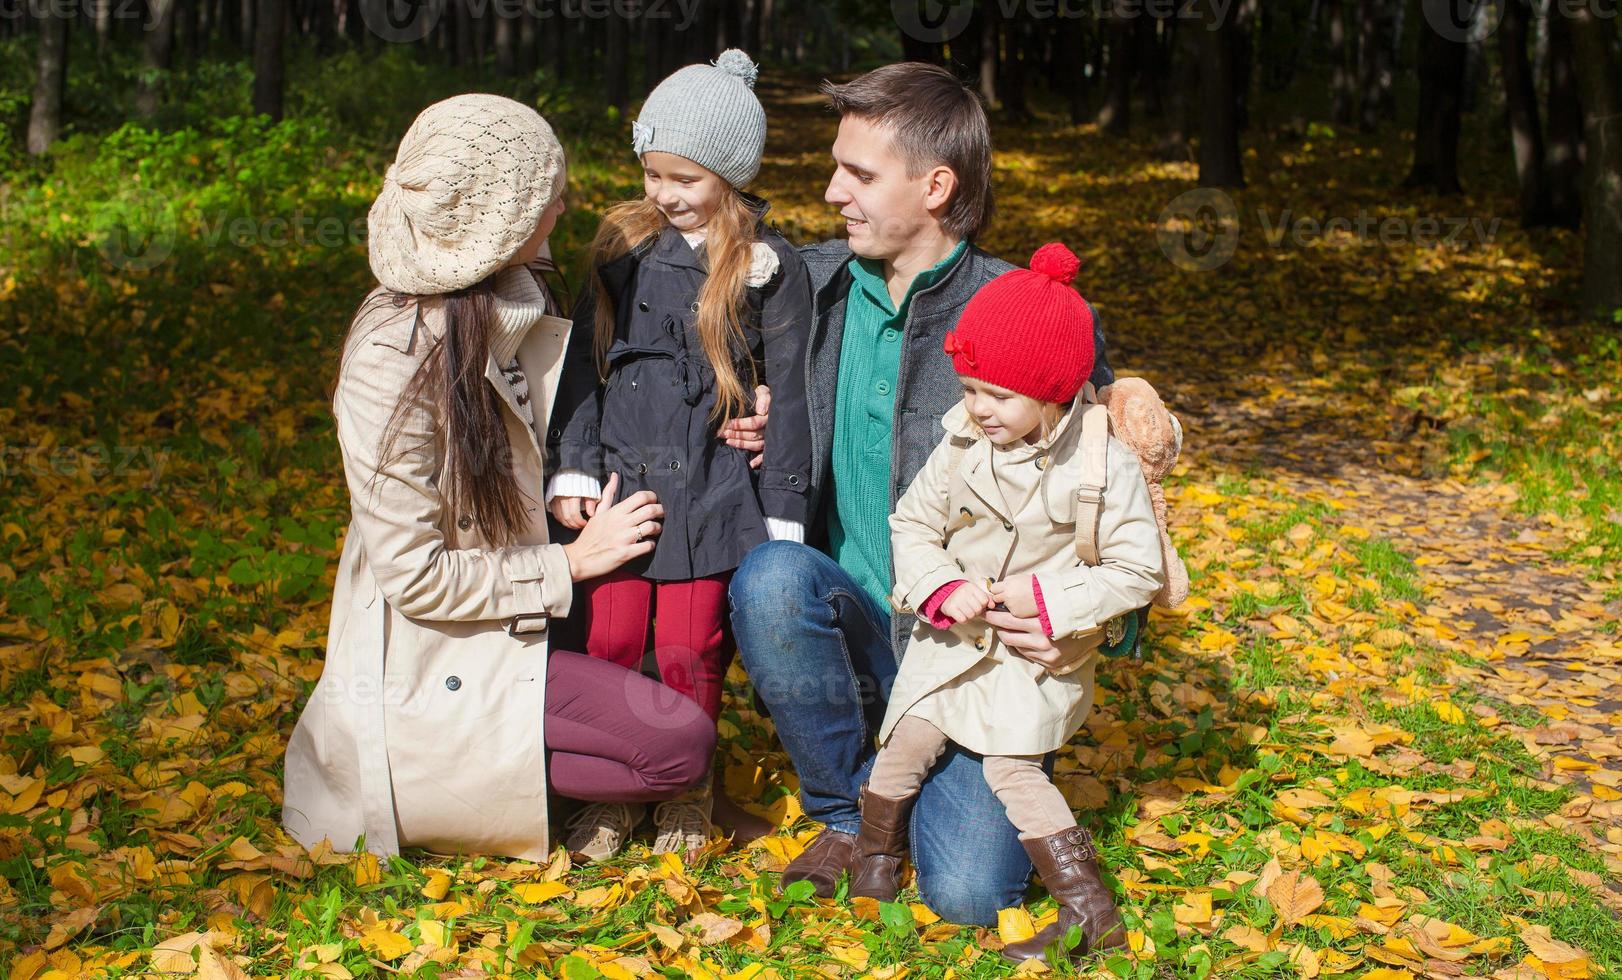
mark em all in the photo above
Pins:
pixel 442 719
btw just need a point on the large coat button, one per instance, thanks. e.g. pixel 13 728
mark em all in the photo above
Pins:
pixel 643 306
pixel 453 683
pixel 675 464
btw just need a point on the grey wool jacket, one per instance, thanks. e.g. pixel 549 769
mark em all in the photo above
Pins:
pixel 926 386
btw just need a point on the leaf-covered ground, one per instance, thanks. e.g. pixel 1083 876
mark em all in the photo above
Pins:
pixel 1379 741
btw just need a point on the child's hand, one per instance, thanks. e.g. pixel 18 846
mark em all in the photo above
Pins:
pixel 572 512
pixel 1017 595
pixel 968 601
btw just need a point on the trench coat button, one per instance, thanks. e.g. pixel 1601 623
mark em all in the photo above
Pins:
pixel 1041 462
pixel 1007 526
pixel 555 434
pixel 642 467
pixel 693 307
pixel 979 643
pixel 965 512
pixel 464 522
pixel 793 481
pixel 643 306
pixel 453 683
pixel 675 464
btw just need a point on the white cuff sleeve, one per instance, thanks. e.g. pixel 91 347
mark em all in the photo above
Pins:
pixel 573 483
pixel 780 530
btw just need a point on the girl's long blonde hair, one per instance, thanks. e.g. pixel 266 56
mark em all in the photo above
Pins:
pixel 728 246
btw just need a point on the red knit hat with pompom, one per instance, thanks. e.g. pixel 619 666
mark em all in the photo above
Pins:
pixel 1028 330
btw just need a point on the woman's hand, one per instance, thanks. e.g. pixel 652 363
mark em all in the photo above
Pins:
pixel 1017 595
pixel 966 602
pixel 750 434
pixel 573 512
pixel 616 533
pixel 1024 636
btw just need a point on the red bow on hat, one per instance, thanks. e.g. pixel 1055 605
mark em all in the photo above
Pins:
pixel 956 346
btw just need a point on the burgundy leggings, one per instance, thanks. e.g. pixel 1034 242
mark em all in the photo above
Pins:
pixel 614 736
pixel 688 618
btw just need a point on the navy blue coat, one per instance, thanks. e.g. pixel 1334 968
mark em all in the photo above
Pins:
pixel 651 423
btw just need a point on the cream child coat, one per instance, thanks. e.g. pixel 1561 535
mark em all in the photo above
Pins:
pixel 1012 511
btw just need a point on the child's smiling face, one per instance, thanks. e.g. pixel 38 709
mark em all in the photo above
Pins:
pixel 1005 416
pixel 684 192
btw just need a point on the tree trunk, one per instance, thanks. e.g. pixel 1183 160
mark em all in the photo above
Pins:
pixel 1340 76
pixel 1074 57
pixel 1151 62
pixel 102 16
pixel 1372 71
pixel 1598 50
pixel 988 53
pixel 1521 108
pixel 1185 62
pixel 619 67
pixel 1013 65
pixel 1115 115
pixel 1436 130
pixel 1220 162
pixel 1563 141
pixel 160 38
pixel 268 70
pixel 45 115
pixel 1244 14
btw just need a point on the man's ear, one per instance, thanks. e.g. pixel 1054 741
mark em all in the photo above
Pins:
pixel 942 184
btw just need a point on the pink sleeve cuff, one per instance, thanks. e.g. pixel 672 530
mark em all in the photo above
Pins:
pixel 930 613
pixel 1041 608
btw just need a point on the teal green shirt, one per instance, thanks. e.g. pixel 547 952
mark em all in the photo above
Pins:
pixel 864 421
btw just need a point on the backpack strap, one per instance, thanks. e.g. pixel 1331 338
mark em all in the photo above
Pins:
pixel 1090 488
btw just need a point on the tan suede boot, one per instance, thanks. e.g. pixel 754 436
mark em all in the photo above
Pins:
pixel 1067 863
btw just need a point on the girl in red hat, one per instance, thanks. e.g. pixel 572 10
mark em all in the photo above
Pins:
pixel 1028 505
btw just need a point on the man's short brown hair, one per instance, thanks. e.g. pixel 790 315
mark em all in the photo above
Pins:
pixel 936 120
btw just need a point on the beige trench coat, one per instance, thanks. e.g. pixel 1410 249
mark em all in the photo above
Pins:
pixel 426 726
pixel 1012 511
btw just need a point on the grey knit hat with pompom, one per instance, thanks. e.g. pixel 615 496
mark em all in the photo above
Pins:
pixel 709 115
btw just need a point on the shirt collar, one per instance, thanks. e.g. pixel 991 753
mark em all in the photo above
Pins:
pixel 869 277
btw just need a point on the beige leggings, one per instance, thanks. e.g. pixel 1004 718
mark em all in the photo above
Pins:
pixel 1033 803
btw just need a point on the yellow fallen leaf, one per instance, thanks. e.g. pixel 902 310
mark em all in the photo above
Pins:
pixel 367 870
pixel 1295 897
pixel 543 891
pixel 1014 925
pixel 384 943
pixel 439 884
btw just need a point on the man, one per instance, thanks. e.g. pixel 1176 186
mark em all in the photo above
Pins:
pixel 817 635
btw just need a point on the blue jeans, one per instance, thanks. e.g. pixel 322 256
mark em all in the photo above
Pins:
pixel 817 649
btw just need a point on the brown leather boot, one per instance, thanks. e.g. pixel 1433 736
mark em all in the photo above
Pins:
pixel 1068 865
pixel 881 846
pixel 829 855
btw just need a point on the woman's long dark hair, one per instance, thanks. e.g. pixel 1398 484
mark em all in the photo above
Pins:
pixel 450 385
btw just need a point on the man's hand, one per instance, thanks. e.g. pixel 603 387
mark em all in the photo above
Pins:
pixel 749 434
pixel 1024 636
pixel 1017 594
pixel 966 602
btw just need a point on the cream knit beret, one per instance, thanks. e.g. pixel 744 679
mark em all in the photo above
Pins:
pixel 466 190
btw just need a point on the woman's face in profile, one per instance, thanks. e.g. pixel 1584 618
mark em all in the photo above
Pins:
pixel 543 229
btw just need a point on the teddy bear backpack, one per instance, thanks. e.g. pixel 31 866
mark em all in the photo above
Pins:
pixel 1132 410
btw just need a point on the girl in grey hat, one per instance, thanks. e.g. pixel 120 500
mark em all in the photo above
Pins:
pixel 692 301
